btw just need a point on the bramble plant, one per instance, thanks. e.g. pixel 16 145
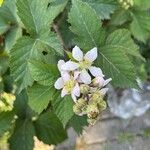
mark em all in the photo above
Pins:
pixel 57 58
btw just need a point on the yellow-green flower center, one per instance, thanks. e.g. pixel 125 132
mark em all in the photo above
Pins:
pixel 85 64
pixel 69 85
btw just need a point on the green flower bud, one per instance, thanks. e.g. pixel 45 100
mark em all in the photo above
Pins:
pixel 81 102
pixel 131 3
pixel 126 3
pixel 96 95
pixel 102 105
pixel 126 7
pixel 80 106
pixel 77 109
pixel 92 111
pixel 84 89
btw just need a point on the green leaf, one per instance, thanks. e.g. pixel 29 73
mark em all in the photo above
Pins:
pixel 8 11
pixel 78 123
pixel 49 129
pixel 140 26
pixel 26 49
pixel 102 7
pixel 23 50
pixel 114 62
pixel 45 74
pixel 5 121
pixel 3 63
pixel 40 96
pixel 36 15
pixel 125 43
pixel 22 138
pixel 63 108
pixel 119 17
pixel 3 26
pixel 21 108
pixel 49 42
pixel 142 4
pixel 56 6
pixel 12 36
pixel 86 25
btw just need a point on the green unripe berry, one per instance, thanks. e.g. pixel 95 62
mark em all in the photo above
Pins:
pixel 84 89
pixel 96 95
pixel 92 111
pixel 81 102
pixel 77 110
pixel 126 3
pixel 102 105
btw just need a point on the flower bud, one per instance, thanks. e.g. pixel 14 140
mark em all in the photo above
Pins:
pixel 82 104
pixel 77 110
pixel 84 89
pixel 92 111
pixel 96 95
pixel 131 3
pixel 102 105
pixel 98 81
pixel 126 3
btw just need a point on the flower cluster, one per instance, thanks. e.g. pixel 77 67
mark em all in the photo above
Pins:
pixel 84 82
pixel 1 2
pixel 126 3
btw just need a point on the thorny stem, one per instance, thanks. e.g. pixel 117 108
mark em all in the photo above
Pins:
pixel 55 27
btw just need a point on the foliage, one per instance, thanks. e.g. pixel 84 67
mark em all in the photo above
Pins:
pixel 35 34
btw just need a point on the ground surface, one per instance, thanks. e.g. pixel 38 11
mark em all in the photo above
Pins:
pixel 111 133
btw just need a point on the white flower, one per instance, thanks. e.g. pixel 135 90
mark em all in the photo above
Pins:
pixel 83 65
pixel 75 73
pixel 100 81
pixel 68 85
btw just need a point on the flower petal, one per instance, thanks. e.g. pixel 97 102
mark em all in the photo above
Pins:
pixel 63 92
pixel 103 91
pixel 70 66
pixel 65 76
pixel 100 81
pixel 95 71
pixel 77 53
pixel 59 83
pixel 91 55
pixel 76 74
pixel 85 77
pixel 60 63
pixel 107 81
pixel 74 97
pixel 76 90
